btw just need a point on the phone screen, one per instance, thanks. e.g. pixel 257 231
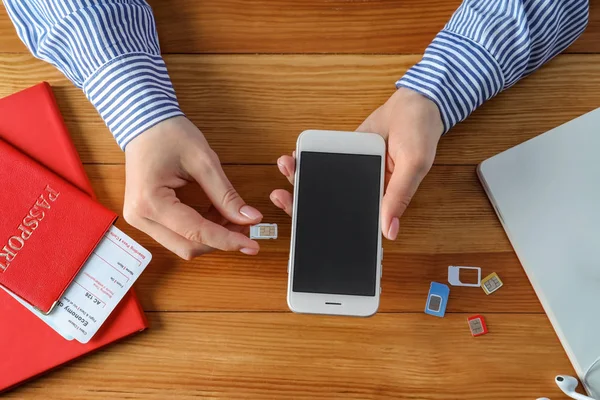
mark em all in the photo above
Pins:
pixel 337 224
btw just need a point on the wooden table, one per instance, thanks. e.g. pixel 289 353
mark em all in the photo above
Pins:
pixel 252 75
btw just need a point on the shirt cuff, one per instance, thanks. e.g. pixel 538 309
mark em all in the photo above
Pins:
pixel 457 74
pixel 132 93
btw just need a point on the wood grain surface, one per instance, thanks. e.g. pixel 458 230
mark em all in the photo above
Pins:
pixel 252 107
pixel 286 356
pixel 252 75
pixel 450 222
pixel 307 26
pixel 449 212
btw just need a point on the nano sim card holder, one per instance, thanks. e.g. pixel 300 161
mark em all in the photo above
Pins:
pixel 454 276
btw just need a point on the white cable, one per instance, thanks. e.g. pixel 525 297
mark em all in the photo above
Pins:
pixel 583 380
pixel 587 371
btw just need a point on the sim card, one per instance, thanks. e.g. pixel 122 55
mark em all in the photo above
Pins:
pixel 454 276
pixel 491 283
pixel 437 299
pixel 263 231
pixel 477 325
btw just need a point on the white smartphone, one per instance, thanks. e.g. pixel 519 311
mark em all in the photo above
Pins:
pixel 335 253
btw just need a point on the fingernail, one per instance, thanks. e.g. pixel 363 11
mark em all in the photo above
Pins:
pixel 250 252
pixel 276 201
pixel 282 168
pixel 250 213
pixel 394 227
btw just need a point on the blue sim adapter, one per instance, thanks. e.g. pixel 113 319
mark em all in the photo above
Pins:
pixel 437 299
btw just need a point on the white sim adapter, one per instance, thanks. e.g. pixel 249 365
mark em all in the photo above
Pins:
pixel 263 231
pixel 454 276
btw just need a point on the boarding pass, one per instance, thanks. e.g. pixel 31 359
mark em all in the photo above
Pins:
pixel 100 285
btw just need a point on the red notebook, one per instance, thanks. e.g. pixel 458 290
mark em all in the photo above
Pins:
pixel 31 122
pixel 48 228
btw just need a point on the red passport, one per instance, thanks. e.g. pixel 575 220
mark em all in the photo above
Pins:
pixel 48 229
pixel 31 122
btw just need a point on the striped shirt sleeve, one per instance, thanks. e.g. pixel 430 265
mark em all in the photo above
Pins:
pixel 109 49
pixel 487 46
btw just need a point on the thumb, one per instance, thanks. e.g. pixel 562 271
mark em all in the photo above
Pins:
pixel 401 188
pixel 366 126
pixel 376 122
pixel 210 175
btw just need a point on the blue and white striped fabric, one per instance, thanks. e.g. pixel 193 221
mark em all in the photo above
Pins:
pixel 109 49
pixel 487 46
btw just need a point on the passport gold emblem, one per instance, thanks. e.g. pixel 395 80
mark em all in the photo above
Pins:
pixel 29 224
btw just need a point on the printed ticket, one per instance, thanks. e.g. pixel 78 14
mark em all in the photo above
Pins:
pixel 100 285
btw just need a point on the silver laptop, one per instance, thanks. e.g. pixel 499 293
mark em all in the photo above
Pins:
pixel 546 192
